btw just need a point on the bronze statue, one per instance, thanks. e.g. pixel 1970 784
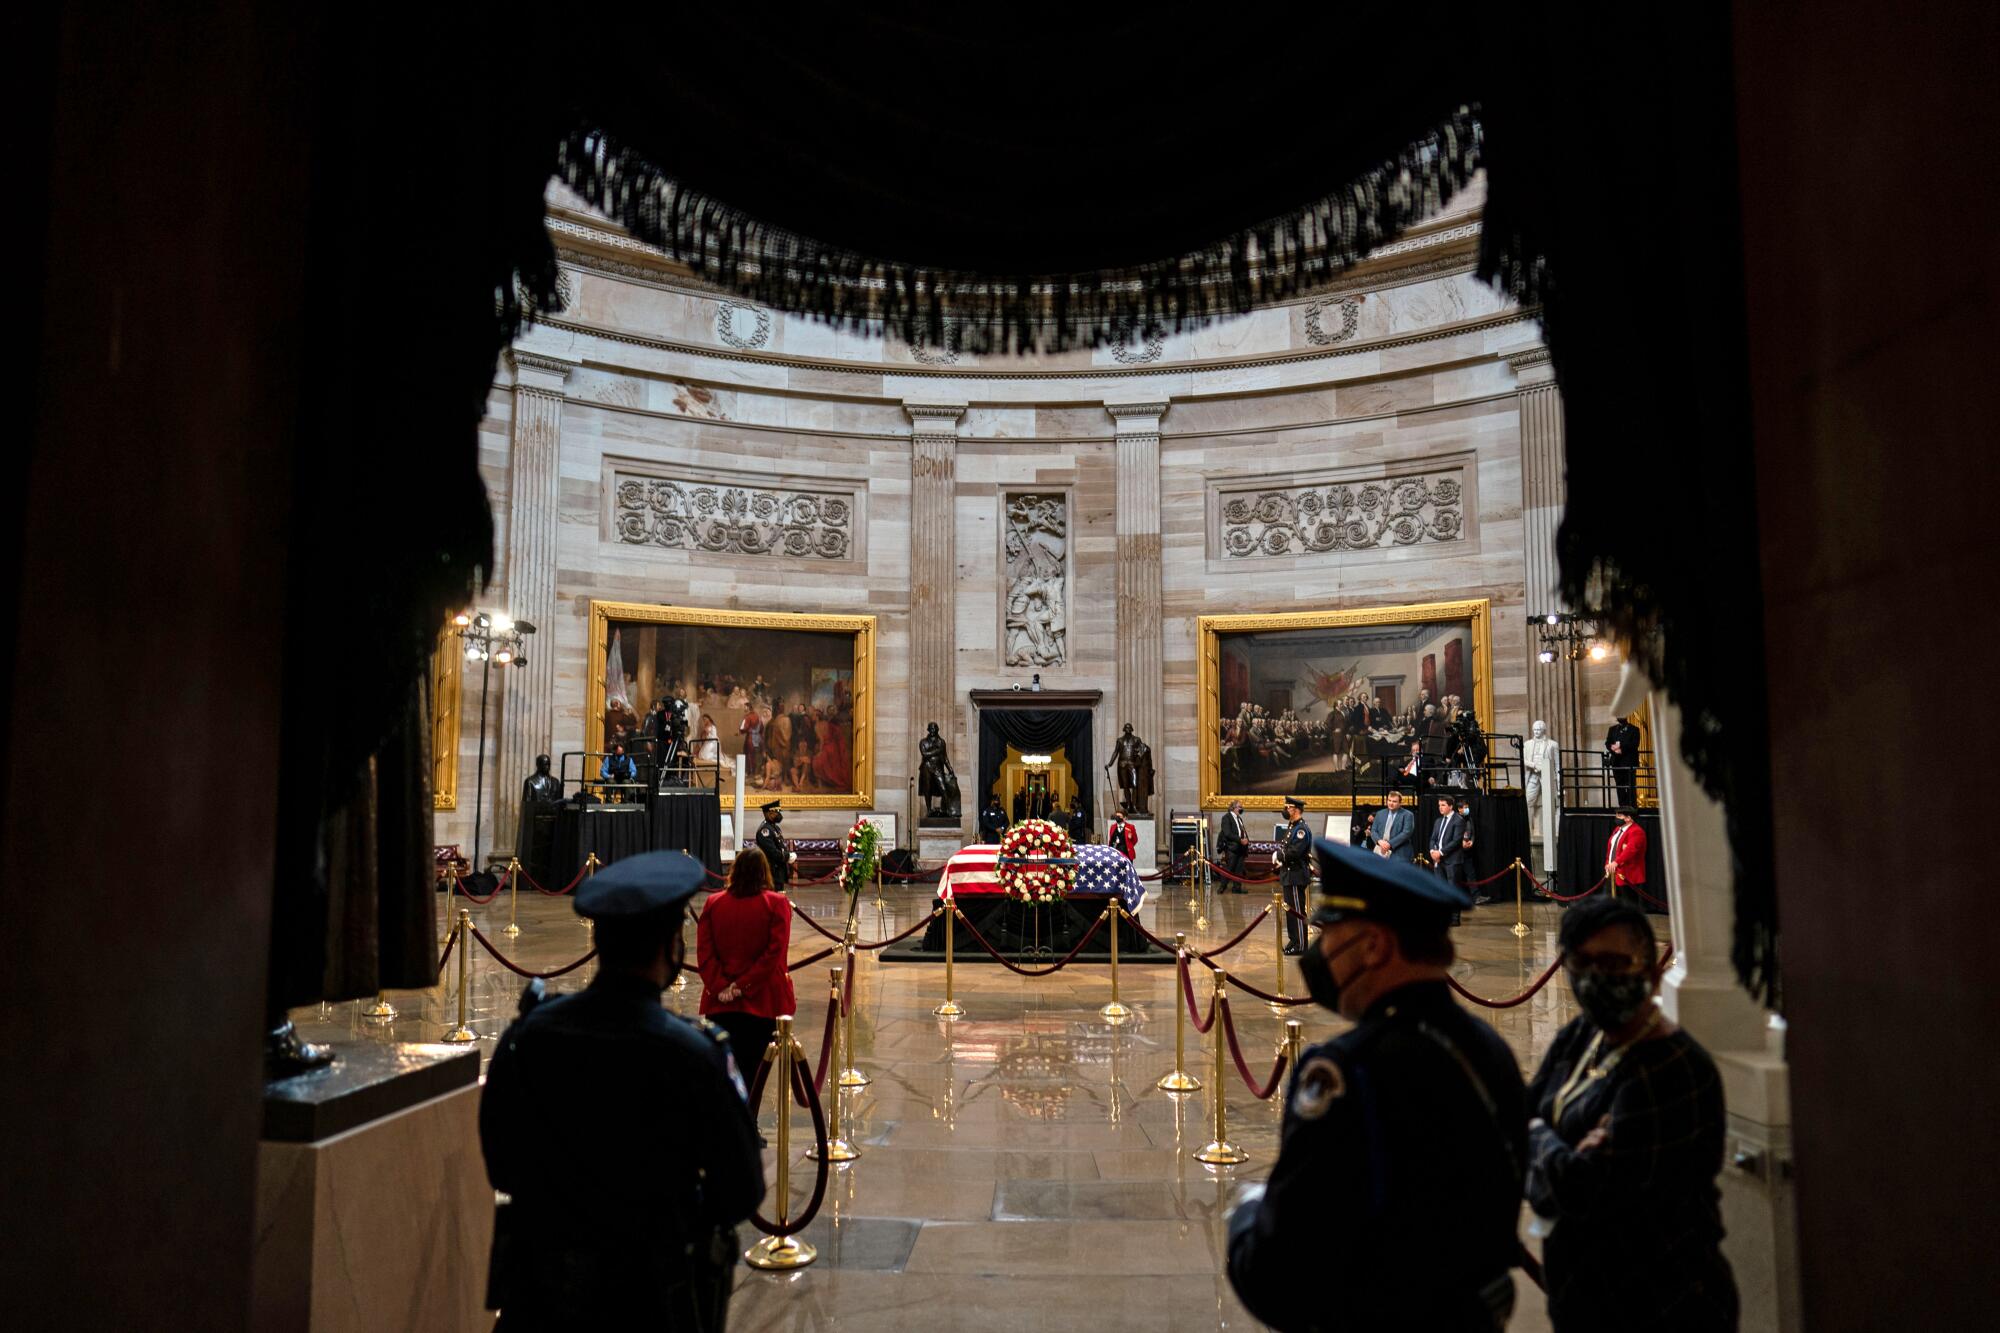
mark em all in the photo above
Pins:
pixel 535 837
pixel 1134 778
pixel 936 782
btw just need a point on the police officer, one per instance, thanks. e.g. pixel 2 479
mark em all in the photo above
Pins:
pixel 992 820
pixel 1295 860
pixel 774 846
pixel 1397 1190
pixel 620 1132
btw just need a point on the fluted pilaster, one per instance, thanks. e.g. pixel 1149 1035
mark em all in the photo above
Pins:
pixel 1141 675
pixel 1542 495
pixel 934 576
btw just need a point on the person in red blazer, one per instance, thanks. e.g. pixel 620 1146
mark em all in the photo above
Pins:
pixel 741 944
pixel 1625 854
pixel 1123 836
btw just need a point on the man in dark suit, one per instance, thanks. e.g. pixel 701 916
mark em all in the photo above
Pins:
pixel 773 844
pixel 1295 871
pixel 1448 854
pixel 1621 756
pixel 1231 846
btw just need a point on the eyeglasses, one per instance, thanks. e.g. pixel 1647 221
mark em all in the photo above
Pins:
pixel 1605 962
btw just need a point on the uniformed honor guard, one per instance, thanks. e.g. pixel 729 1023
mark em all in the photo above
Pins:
pixel 776 847
pixel 1397 1190
pixel 1295 861
pixel 620 1132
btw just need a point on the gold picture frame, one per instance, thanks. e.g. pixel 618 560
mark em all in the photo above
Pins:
pixel 447 666
pixel 861 628
pixel 1210 631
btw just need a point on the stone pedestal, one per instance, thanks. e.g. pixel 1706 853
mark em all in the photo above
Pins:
pixel 1147 854
pixel 373 1209
pixel 934 845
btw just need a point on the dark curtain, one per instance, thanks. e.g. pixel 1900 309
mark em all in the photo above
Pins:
pixel 1581 840
pixel 690 822
pixel 1031 730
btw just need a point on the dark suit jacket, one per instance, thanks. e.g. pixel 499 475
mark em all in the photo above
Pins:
pixel 1229 839
pixel 772 844
pixel 1452 829
pixel 1627 737
pixel 1397 832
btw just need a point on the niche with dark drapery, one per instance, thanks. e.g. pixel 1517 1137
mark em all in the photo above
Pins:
pixel 1030 729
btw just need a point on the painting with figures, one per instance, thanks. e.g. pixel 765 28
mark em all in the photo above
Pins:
pixel 780 691
pixel 1320 702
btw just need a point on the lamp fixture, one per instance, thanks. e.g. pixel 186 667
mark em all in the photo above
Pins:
pixel 493 640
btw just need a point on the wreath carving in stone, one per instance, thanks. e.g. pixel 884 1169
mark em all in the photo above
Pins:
pixel 725 326
pixel 1343 516
pixel 733 520
pixel 1037 548
pixel 1350 320
pixel 1135 348
pixel 944 354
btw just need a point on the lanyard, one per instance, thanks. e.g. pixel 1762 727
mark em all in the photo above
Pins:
pixel 1587 1072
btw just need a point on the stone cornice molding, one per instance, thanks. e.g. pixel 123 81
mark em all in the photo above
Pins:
pixel 934 418
pixel 1531 366
pixel 539 373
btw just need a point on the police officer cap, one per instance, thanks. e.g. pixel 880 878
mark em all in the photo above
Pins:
pixel 769 806
pixel 1355 883
pixel 640 885
pixel 1296 802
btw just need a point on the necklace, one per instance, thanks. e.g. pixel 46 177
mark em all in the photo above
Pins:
pixel 1589 1070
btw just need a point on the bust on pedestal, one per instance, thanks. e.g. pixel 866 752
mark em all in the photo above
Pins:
pixel 535 839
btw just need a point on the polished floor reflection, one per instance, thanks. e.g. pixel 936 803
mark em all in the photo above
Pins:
pixel 1019 1168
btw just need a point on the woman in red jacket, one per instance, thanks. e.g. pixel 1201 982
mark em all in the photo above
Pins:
pixel 740 947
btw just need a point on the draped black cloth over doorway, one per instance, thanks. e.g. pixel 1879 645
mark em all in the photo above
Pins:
pixel 1033 722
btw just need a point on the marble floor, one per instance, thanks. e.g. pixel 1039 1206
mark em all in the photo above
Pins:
pixel 1019 1168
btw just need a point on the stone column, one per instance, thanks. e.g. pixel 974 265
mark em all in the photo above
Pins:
pixel 529 579
pixel 1141 681
pixel 1550 697
pixel 933 585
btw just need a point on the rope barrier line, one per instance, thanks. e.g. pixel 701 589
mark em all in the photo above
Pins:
pixel 1273 879
pixel 556 893
pixel 1052 969
pixel 897 939
pixel 825 1053
pixel 472 897
pixel 1647 896
pixel 811 921
pixel 810 959
pixel 1243 1066
pixel 1265 995
pixel 520 971
pixel 1573 898
pixel 1522 998
pixel 797 1224
pixel 450 943
pixel 1217 951
pixel 1201 1025
pixel 1505 870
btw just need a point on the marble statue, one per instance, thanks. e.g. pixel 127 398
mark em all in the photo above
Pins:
pixel 1133 759
pixel 1541 757
pixel 936 782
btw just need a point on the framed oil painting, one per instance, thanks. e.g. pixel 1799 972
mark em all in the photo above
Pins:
pixel 1315 701
pixel 793 694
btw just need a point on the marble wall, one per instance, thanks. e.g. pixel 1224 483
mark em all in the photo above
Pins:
pixel 1409 366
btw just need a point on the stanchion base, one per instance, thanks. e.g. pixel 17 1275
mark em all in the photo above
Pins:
pixel 949 1009
pixel 511 931
pixel 779 1252
pixel 1114 1012
pixel 1520 929
pixel 681 981
pixel 460 1036
pixel 380 1009
pixel 853 1078
pixel 1279 1010
pixel 1178 1081
pixel 837 1150
pixel 1222 1153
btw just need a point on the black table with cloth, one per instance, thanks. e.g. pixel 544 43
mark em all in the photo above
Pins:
pixel 612 831
pixel 1499 833
pixel 688 821
pixel 1582 836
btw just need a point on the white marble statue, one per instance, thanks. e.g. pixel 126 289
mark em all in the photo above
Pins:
pixel 1541 756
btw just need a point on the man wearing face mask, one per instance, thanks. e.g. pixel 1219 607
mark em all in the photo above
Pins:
pixel 1415 1115
pixel 1625 853
pixel 673 1164
pixel 774 846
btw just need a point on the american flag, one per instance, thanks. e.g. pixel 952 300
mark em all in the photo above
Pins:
pixel 1100 871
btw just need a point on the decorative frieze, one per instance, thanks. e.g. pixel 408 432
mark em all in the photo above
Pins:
pixel 724 519
pixel 1036 554
pixel 1410 509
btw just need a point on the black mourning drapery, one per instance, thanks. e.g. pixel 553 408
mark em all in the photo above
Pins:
pixel 1029 182
pixel 1032 731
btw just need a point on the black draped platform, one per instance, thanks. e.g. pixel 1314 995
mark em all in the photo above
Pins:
pixel 1582 836
pixel 612 831
pixel 1029 935
pixel 688 821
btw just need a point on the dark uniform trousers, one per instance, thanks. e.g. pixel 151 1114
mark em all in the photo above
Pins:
pixel 1396 1194
pixel 1295 871
pixel 772 844
pixel 635 1229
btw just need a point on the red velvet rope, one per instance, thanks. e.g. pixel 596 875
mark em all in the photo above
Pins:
pixel 896 939
pixel 1201 1024
pixel 825 1050
pixel 1265 995
pixel 810 959
pixel 1216 952
pixel 470 896
pixel 1573 898
pixel 810 921
pixel 450 943
pixel 1052 969
pixel 1238 878
pixel 1634 888
pixel 1243 1066
pixel 929 876
pixel 797 1224
pixel 556 893
pixel 520 971
pixel 1522 998
pixel 1482 883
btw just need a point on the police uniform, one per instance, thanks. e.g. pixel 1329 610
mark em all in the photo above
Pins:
pixel 1295 864
pixel 621 1134
pixel 1397 1190
pixel 772 843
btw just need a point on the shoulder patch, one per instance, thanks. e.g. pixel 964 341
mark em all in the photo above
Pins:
pixel 1320 1084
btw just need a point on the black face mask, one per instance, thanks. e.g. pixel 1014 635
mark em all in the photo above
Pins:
pixel 1611 999
pixel 1316 966
pixel 777 816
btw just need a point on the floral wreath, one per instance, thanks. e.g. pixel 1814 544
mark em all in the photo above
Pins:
pixel 1037 862
pixel 860 854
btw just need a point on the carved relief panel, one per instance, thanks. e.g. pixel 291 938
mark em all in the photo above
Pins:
pixel 1035 579
pixel 716 516
pixel 1339 512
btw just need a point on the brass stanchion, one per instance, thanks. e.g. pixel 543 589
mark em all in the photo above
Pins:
pixel 382 1008
pixel 782 1251
pixel 949 1009
pixel 850 1077
pixel 513 895
pixel 1278 914
pixel 1220 1151
pixel 1520 925
pixel 462 1033
pixel 838 1149
pixel 1180 1080
pixel 1294 1045
pixel 1114 1013
pixel 680 977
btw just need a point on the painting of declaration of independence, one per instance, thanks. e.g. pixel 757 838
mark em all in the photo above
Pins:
pixel 1305 707
pixel 785 699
